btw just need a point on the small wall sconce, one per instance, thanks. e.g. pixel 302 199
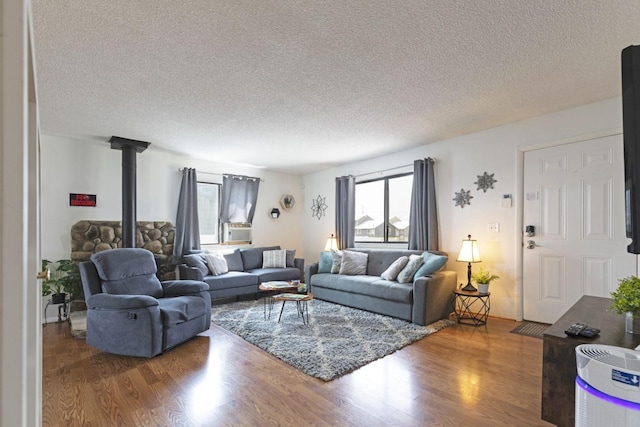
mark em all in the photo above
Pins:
pixel 275 213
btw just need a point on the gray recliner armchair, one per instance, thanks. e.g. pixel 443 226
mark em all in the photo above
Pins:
pixel 130 312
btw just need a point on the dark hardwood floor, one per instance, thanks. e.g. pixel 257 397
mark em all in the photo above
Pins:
pixel 460 376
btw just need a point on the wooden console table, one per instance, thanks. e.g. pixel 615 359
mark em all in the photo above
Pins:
pixel 559 358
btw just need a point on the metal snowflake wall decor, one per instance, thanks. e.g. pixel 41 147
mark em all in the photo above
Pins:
pixel 463 198
pixel 318 207
pixel 485 182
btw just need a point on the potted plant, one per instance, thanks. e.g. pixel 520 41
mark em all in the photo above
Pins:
pixel 483 278
pixel 64 278
pixel 626 300
pixel 287 201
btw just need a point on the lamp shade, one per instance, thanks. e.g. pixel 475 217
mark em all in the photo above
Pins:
pixel 332 243
pixel 469 251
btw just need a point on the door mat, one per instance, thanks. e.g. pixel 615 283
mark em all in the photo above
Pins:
pixel 531 329
pixel 336 341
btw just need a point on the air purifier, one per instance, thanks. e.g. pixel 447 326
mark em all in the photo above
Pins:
pixel 607 386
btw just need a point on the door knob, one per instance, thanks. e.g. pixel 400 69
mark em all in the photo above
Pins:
pixel 531 244
pixel 44 274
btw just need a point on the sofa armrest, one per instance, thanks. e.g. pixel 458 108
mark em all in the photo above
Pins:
pixel 299 264
pixel 174 288
pixel 120 302
pixel 309 271
pixel 189 273
pixel 432 296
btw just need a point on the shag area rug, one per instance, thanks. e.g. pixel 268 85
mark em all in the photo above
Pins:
pixel 337 340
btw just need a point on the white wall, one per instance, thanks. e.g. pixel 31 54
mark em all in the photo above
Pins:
pixel 458 163
pixel 89 166
pixel 66 163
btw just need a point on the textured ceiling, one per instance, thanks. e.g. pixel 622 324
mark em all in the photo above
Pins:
pixel 299 86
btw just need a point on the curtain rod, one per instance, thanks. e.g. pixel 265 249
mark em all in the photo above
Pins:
pixel 388 170
pixel 220 174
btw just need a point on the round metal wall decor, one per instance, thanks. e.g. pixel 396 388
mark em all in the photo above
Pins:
pixel 462 198
pixel 485 182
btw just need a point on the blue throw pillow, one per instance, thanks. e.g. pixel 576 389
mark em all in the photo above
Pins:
pixel 326 261
pixel 432 263
pixel 197 261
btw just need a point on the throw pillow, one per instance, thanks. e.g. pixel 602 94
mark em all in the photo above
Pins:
pixel 291 257
pixel 395 268
pixel 274 259
pixel 432 263
pixel 407 273
pixel 234 260
pixel 216 263
pixel 197 261
pixel 337 260
pixel 325 263
pixel 353 263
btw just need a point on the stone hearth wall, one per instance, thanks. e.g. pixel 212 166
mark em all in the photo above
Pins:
pixel 88 237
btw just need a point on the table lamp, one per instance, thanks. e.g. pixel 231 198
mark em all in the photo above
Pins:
pixel 332 243
pixel 469 253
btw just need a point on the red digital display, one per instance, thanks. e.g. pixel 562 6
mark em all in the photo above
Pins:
pixel 82 200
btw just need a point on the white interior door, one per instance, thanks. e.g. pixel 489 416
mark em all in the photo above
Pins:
pixel 574 198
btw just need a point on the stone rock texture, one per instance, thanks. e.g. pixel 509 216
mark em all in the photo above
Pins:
pixel 90 236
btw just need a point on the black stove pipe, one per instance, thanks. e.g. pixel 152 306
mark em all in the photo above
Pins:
pixel 129 148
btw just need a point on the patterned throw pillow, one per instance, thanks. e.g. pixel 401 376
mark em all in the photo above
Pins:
pixel 325 263
pixel 353 263
pixel 216 263
pixel 432 263
pixel 337 260
pixel 394 269
pixel 274 259
pixel 407 273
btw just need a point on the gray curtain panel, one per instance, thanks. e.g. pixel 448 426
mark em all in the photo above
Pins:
pixel 345 211
pixel 187 235
pixel 239 197
pixel 423 218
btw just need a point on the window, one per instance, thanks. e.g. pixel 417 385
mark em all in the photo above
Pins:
pixel 382 209
pixel 208 212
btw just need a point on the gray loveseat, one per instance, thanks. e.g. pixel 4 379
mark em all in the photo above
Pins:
pixel 245 271
pixel 423 301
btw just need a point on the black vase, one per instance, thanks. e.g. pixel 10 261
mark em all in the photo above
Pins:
pixel 58 298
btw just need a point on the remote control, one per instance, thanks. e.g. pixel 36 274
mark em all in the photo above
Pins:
pixel 589 332
pixel 575 329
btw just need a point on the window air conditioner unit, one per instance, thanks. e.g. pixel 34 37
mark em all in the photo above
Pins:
pixel 236 232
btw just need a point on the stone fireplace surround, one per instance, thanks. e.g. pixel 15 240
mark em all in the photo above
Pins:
pixel 90 236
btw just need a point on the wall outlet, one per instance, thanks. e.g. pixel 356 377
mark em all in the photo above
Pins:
pixel 494 226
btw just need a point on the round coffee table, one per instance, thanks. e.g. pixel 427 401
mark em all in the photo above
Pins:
pixel 301 304
pixel 271 288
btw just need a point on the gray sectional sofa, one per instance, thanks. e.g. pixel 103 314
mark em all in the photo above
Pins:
pixel 245 271
pixel 423 301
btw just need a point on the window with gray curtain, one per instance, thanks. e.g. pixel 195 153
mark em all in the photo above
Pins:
pixel 187 234
pixel 239 197
pixel 423 218
pixel 208 212
pixel 345 211
pixel 382 209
